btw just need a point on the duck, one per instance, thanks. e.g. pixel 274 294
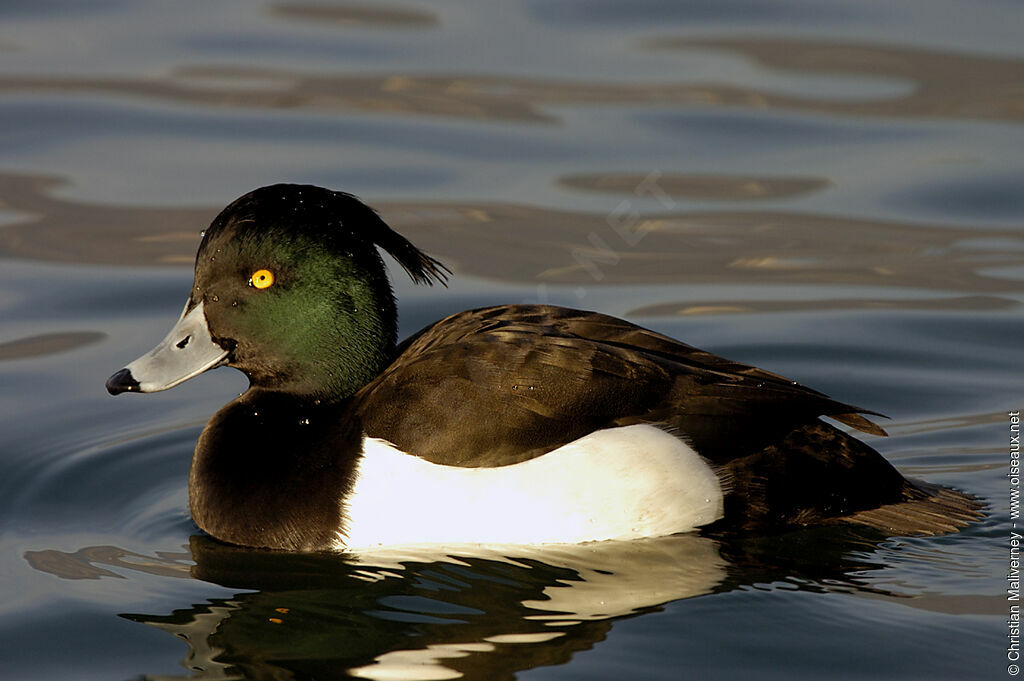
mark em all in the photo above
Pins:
pixel 510 424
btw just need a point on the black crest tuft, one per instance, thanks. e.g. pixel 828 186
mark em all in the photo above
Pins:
pixel 337 216
pixel 420 267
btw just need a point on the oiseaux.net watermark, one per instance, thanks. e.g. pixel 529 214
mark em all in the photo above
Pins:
pixel 1013 575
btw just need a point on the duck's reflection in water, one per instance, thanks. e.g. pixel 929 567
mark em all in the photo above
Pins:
pixel 466 612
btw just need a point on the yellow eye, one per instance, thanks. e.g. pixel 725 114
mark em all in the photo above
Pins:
pixel 262 279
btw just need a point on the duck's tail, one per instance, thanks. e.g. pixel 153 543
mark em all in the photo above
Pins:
pixel 820 475
pixel 925 510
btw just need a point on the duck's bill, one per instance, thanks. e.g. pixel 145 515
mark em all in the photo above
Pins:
pixel 187 351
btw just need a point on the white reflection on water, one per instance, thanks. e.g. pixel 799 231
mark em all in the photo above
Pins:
pixel 420 611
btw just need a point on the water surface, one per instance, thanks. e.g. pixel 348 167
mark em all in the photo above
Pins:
pixel 828 190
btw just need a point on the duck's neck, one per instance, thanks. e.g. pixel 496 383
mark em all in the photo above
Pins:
pixel 272 471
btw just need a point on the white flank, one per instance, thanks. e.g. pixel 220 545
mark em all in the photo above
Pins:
pixel 621 483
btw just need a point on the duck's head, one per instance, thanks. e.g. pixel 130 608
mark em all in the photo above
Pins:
pixel 290 289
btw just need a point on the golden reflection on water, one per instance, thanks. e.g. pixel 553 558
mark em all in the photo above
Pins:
pixel 702 187
pixel 941 85
pixel 48 344
pixel 355 15
pixel 51 229
pixel 719 307
pixel 536 245
pixel 89 562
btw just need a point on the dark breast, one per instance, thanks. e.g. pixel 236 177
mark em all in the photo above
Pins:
pixel 270 472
